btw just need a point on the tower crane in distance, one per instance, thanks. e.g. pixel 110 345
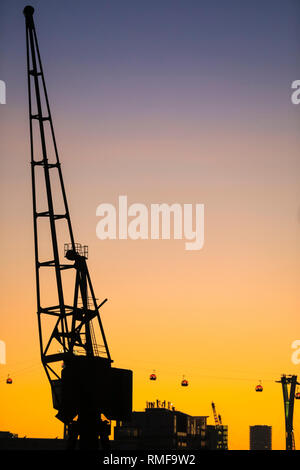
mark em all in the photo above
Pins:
pixel 217 418
pixel 74 350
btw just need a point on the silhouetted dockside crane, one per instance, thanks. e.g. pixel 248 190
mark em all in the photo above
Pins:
pixel 83 383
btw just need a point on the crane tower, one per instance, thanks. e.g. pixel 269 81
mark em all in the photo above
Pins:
pixel 73 346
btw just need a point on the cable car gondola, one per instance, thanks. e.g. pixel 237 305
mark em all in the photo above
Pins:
pixel 297 394
pixel 153 376
pixel 9 380
pixel 184 382
pixel 259 387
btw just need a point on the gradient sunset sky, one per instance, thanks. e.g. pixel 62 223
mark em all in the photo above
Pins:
pixel 164 101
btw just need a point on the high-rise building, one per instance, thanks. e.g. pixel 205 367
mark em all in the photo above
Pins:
pixel 260 437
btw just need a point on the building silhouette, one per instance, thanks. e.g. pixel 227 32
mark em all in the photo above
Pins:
pixel 162 427
pixel 159 427
pixel 217 437
pixel 260 437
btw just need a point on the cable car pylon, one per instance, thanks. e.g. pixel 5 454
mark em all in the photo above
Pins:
pixel 288 383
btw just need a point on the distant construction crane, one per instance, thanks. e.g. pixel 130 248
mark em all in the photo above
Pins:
pixel 288 383
pixel 220 431
pixel 217 418
pixel 83 383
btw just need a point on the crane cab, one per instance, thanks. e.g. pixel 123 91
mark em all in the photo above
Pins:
pixel 9 380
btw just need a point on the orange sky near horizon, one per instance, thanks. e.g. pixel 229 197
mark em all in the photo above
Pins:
pixel 224 317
